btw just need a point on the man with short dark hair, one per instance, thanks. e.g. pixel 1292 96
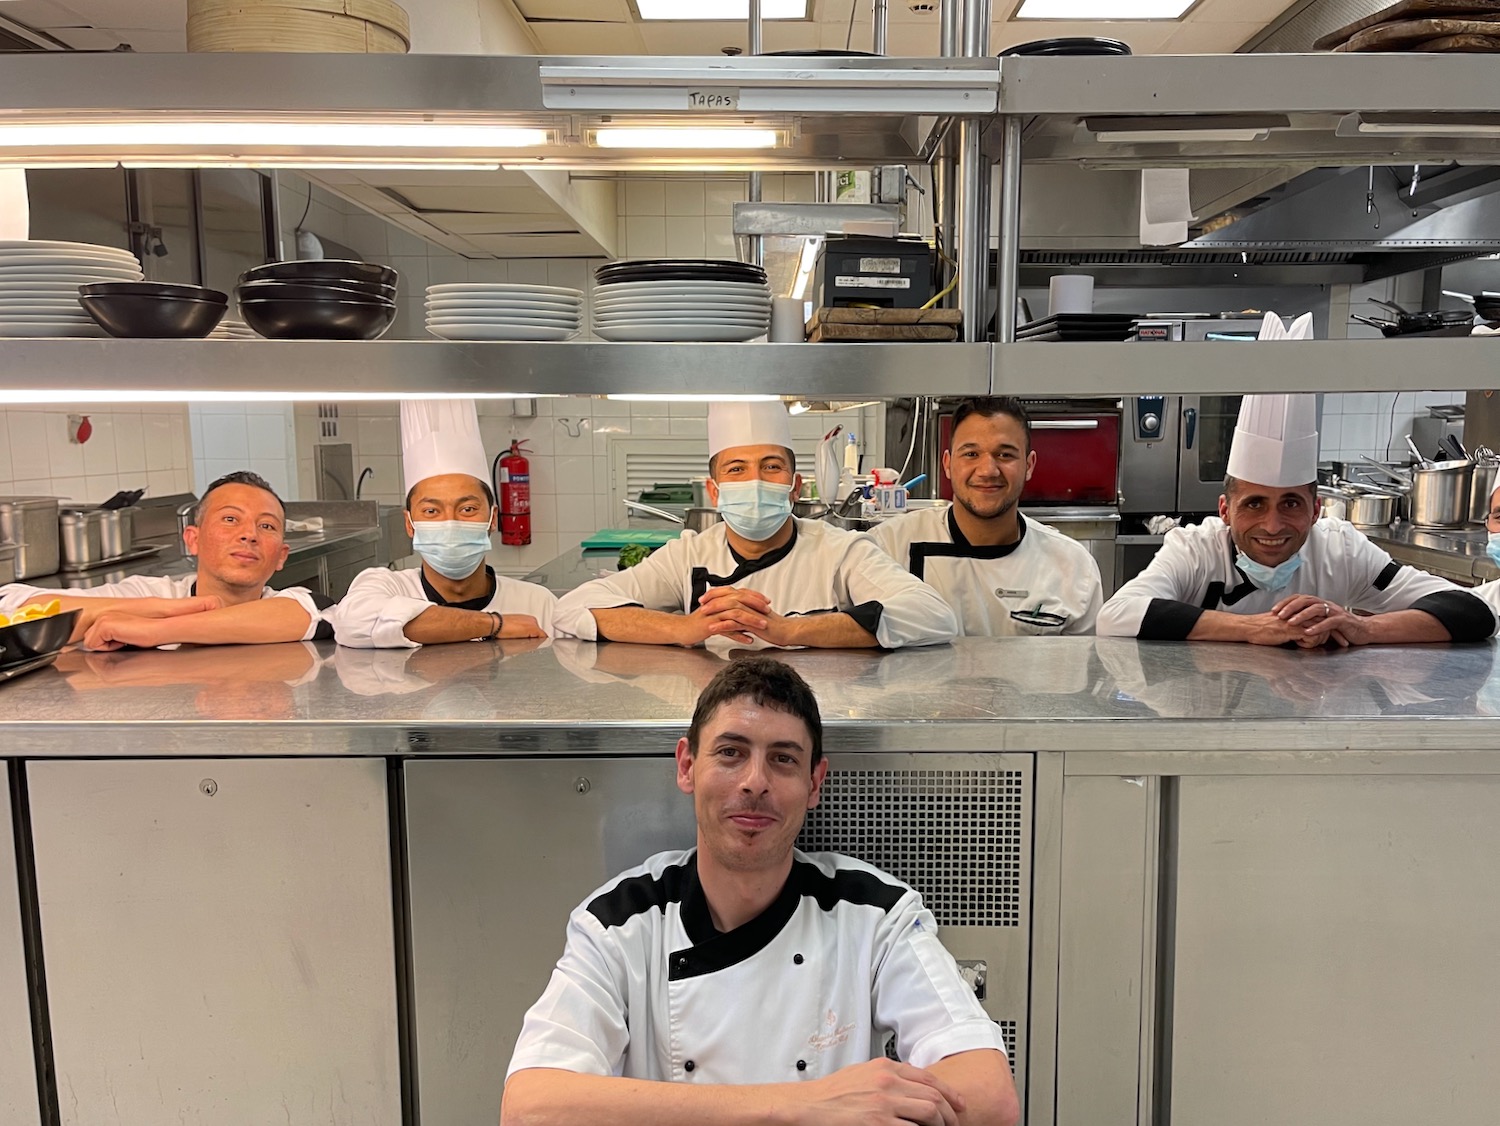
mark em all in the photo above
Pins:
pixel 238 537
pixel 743 981
pixel 1002 574
pixel 763 577
pixel 1268 571
pixel 450 513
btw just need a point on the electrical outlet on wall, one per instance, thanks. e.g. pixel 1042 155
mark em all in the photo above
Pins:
pixel 328 420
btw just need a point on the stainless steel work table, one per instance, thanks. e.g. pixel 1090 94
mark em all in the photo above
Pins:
pixel 1454 553
pixel 1184 867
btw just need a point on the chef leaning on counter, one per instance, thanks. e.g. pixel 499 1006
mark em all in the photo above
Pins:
pixel 1490 591
pixel 1269 571
pixel 238 536
pixel 746 981
pixel 1003 574
pixel 450 512
pixel 762 577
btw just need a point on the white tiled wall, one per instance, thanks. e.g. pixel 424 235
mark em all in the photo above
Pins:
pixel 228 437
pixel 130 448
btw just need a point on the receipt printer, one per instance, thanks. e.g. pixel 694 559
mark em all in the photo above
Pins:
pixel 887 273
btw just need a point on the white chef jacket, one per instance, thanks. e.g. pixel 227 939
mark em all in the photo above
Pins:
pixel 1489 594
pixel 1043 572
pixel 14 595
pixel 380 602
pixel 845 956
pixel 821 570
pixel 1195 571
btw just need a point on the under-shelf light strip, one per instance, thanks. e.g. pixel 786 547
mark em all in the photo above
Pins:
pixel 117 395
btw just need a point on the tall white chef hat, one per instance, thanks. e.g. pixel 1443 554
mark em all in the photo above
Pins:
pixel 440 436
pixel 1276 441
pixel 748 424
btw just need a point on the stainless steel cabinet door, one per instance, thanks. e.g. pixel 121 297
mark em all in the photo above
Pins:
pixel 17 1067
pixel 1335 951
pixel 499 853
pixel 219 940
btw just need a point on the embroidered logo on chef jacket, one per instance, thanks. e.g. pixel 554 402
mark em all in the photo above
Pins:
pixel 833 1034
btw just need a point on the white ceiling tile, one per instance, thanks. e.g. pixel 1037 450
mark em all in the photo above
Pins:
pixel 601 11
pixel 153 15
pixel 588 38
pixel 1209 38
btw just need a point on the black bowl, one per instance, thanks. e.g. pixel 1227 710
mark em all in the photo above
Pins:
pixel 318 320
pixel 273 287
pixel 153 289
pixel 143 317
pixel 286 291
pixel 1077 45
pixel 322 269
pixel 25 641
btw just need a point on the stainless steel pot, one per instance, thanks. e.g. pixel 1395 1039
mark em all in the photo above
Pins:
pixel 809 509
pixel 80 535
pixel 1371 509
pixel 117 532
pixel 1480 488
pixel 31 524
pixel 701 519
pixel 1440 494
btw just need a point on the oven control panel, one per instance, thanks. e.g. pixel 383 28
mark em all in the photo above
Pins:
pixel 1149 417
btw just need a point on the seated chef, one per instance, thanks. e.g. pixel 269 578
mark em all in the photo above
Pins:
pixel 1270 572
pixel 1001 573
pixel 450 512
pixel 761 577
pixel 746 963
pixel 237 534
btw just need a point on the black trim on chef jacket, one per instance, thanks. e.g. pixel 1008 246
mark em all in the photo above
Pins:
pixel 480 603
pixel 1463 615
pixel 324 631
pixel 1387 576
pixel 1169 620
pixel 712 950
pixel 866 615
pixel 960 548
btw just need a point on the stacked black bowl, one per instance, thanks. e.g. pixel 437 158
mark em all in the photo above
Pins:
pixel 320 299
pixel 154 310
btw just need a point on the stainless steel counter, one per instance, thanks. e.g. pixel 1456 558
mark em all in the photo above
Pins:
pixel 1457 554
pixel 1101 697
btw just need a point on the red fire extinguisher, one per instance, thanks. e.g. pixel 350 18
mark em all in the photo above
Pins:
pixel 515 496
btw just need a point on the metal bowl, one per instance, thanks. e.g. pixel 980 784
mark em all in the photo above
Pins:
pixel 322 269
pixel 144 317
pixel 39 637
pixel 318 320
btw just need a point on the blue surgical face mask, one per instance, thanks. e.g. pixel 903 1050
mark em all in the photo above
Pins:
pixel 1493 548
pixel 454 549
pixel 1269 578
pixel 755 509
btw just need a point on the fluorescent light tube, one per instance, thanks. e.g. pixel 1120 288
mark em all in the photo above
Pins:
pixel 720 9
pixel 622 137
pixel 695 398
pixel 116 395
pixel 124 136
pixel 1103 9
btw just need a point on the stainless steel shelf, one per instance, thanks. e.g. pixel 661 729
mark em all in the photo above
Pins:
pixel 1057 369
pixel 78 369
pixel 1150 85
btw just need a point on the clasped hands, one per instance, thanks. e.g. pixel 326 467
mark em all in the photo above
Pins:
pixel 1310 622
pixel 739 614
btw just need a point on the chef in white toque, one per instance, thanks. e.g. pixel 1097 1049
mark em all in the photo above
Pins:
pixel 762 577
pixel 450 513
pixel 1270 572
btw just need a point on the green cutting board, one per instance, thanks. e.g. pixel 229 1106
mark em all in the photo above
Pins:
pixel 624 537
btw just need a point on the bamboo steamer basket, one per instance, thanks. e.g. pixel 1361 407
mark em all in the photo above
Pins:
pixel 339 26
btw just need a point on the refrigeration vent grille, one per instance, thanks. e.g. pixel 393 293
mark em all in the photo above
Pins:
pixel 1007 1033
pixel 1186 258
pixel 954 835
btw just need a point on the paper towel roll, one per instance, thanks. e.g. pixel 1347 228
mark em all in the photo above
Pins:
pixel 1166 209
pixel 787 323
pixel 1070 293
pixel 15 208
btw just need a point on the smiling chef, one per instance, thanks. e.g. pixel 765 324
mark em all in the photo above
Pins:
pixel 1270 572
pixel 745 981
pixel 1003 575
pixel 450 512
pixel 762 577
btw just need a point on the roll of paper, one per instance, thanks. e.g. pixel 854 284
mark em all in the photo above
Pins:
pixel 15 208
pixel 787 323
pixel 1071 293
pixel 1166 209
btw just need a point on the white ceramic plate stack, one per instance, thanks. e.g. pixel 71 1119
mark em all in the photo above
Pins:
pixel 675 301
pixel 39 283
pixel 231 328
pixel 501 311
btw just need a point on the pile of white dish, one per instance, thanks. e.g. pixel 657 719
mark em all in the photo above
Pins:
pixel 39 283
pixel 677 310
pixel 231 328
pixel 502 311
